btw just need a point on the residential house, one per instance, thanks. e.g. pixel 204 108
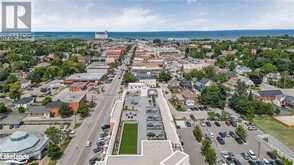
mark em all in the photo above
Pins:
pixel 268 95
pixel 39 111
pixel 242 69
pixel 247 81
pixel 202 84
pixel 173 84
pixel 186 84
pixel 74 99
pixel 188 94
pixel 272 77
pixel 285 101
pixel 54 108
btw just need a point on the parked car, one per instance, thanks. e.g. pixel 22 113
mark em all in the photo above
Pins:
pixel 223 134
pixel 208 124
pixel 217 123
pixel 228 123
pixel 245 156
pixel 88 143
pixel 202 124
pixel 271 155
pixel 188 124
pixel 232 134
pixel 236 161
pixel 234 123
pixel 238 140
pixel 220 140
pixel 225 154
pixel 252 162
pixel 252 155
pixel 192 117
pixel 1 126
pixel 105 126
pixel 260 162
pixel 11 126
pixel 272 162
pixel 279 162
pixel 265 161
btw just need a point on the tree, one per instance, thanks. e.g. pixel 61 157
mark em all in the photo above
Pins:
pixel 241 132
pixel 164 76
pixel 157 41
pixel 269 68
pixel 46 100
pixel 65 111
pixel 205 146
pixel 53 134
pixel 54 151
pixel 3 108
pixel 214 96
pixel 14 90
pixel 241 88
pixel 197 133
pixel 129 78
pixel 83 110
pixel 211 156
pixel 22 110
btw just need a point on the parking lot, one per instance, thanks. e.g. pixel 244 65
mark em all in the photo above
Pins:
pixel 231 144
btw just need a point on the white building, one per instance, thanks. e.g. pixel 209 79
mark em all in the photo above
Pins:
pixel 151 83
pixel 101 35
pixel 138 87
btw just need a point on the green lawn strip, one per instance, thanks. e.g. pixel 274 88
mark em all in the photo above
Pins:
pixel 129 139
pixel 277 130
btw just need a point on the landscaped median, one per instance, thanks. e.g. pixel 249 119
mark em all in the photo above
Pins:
pixel 129 140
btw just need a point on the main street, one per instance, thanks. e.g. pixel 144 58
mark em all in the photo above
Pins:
pixel 76 153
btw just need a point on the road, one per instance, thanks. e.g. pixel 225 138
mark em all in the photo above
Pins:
pixel 76 153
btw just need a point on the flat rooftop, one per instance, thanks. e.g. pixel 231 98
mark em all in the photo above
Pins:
pixel 85 77
pixel 163 149
pixel 288 121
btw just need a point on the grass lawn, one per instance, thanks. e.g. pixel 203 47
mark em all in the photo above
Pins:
pixel 277 130
pixel 129 139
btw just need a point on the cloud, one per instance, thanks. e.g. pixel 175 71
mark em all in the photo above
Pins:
pixel 144 15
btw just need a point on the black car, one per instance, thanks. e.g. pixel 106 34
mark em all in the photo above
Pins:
pixel 271 155
pixel 105 126
pixel 1 126
pixel 260 162
pixel 188 124
pixel 237 162
pixel 95 150
pixel 252 162
pixel 220 140
pixel 279 162
pixel 208 124
pixel 192 117
pixel 234 123
pixel 223 134
pixel 272 162
pixel 217 123
pixel 232 134
pixel 238 140
pixel 93 160
pixel 11 126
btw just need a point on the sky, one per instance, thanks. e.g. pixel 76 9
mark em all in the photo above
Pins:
pixel 161 15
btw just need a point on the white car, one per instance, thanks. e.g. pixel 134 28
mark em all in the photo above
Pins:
pixel 252 155
pixel 266 161
pixel 225 154
pixel 88 144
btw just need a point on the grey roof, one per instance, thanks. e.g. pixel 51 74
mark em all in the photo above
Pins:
pixel 18 142
pixel 270 93
pixel 24 100
pixel 38 109
pixel 54 104
pixel 204 80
